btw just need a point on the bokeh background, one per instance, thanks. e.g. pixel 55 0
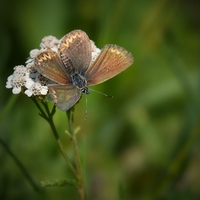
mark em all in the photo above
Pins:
pixel 142 144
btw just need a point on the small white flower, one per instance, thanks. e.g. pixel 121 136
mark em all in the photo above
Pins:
pixel 29 82
pixel 18 79
pixel 44 90
pixel 33 53
pixel 36 84
pixel 95 52
pixel 28 92
pixel 16 90
pixel 36 89
pixel 9 82
pixel 29 78
pixel 50 42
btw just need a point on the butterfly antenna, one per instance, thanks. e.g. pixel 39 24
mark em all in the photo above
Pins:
pixel 86 111
pixel 106 95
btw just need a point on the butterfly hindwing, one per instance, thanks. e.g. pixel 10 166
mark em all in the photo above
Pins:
pixel 111 61
pixel 64 96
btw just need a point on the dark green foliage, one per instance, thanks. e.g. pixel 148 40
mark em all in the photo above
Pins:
pixel 143 143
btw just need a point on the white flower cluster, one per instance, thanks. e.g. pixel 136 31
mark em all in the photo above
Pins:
pixel 26 79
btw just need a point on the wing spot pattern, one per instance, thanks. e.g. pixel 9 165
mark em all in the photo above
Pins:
pixel 45 57
pixel 115 51
pixel 54 96
pixel 71 40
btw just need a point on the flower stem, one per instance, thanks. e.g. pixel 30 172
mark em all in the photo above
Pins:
pixel 81 188
pixel 62 149
pixel 48 116
pixel 77 170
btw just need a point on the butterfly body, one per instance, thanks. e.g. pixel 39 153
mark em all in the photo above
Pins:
pixel 80 82
pixel 71 69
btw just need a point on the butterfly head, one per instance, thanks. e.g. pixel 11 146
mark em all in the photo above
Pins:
pixel 85 90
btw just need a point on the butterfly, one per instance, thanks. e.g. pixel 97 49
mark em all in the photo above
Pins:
pixel 71 70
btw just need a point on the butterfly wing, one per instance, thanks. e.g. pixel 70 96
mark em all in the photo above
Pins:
pixel 64 96
pixel 48 64
pixel 75 50
pixel 111 61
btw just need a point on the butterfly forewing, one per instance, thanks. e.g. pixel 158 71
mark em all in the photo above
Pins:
pixel 111 61
pixel 75 49
pixel 64 96
pixel 49 65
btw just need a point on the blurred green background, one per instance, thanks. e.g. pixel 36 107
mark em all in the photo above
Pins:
pixel 143 143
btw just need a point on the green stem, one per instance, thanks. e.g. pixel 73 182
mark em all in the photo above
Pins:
pixel 20 165
pixel 6 109
pixel 55 133
pixel 48 116
pixel 81 188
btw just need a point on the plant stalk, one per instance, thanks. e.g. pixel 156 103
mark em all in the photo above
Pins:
pixel 81 187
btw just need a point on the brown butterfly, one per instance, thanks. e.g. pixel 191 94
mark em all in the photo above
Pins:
pixel 71 71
